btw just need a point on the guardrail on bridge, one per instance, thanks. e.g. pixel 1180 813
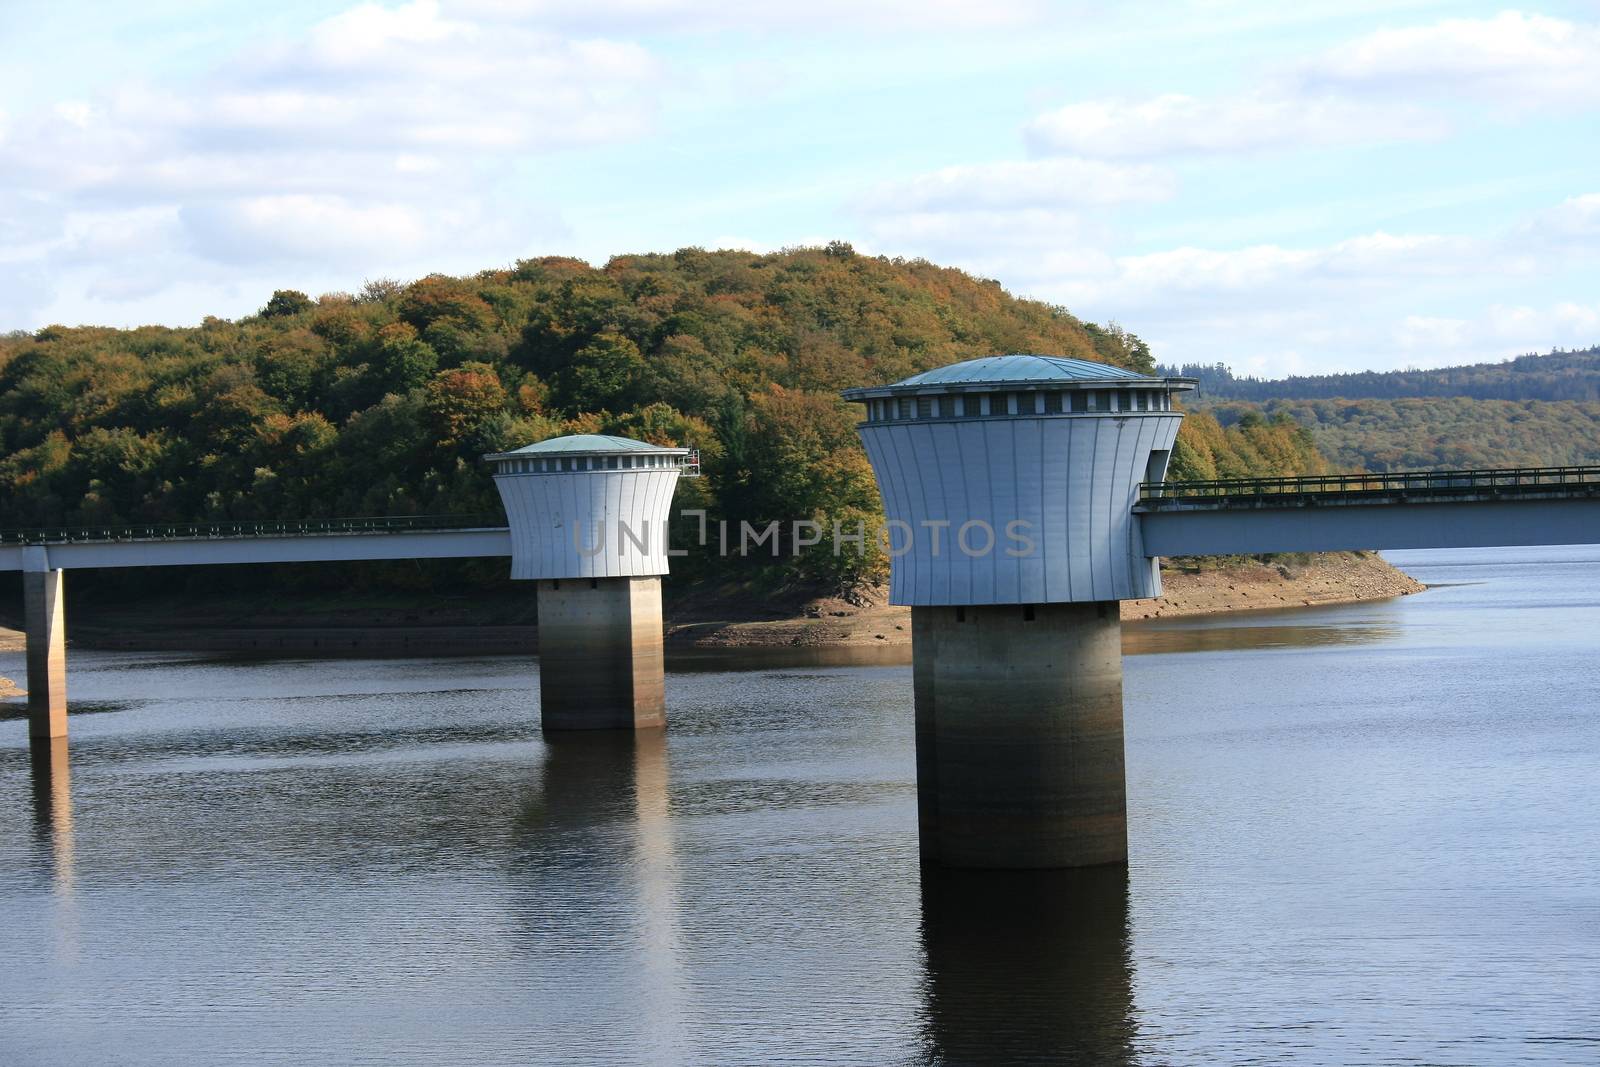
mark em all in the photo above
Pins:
pixel 1403 484
pixel 198 531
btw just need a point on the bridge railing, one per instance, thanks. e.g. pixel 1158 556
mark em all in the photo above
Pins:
pixel 1504 481
pixel 251 528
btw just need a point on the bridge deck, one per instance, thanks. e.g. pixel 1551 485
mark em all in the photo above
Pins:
pixel 1359 489
pixel 253 541
pixel 1414 509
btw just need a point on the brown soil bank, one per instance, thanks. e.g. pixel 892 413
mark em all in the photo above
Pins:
pixel 708 620
pixel 1193 587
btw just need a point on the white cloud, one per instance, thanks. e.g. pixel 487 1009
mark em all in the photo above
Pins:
pixel 1574 224
pixel 299 226
pixel 1513 59
pixel 1389 85
pixel 1430 334
pixel 377 139
pixel 1175 124
pixel 1054 183
pixel 818 15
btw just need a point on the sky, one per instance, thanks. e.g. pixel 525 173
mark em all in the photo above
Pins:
pixel 1286 188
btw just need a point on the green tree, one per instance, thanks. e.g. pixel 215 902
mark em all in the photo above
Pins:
pixel 286 303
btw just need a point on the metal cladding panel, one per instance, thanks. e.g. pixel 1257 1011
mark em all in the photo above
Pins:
pixel 588 524
pixel 1072 480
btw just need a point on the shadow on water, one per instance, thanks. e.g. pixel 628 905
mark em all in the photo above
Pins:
pixel 12 711
pixel 1027 967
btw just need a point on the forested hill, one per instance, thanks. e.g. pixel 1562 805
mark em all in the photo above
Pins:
pixel 1560 375
pixel 1532 411
pixel 384 402
pixel 1433 433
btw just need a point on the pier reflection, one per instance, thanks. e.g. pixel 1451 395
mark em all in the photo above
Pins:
pixel 1027 967
pixel 601 819
pixel 52 810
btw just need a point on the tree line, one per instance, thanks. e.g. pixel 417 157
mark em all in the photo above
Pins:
pixel 383 402
pixel 1558 375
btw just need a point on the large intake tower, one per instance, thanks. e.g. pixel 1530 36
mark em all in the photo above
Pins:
pixel 1008 485
pixel 588 516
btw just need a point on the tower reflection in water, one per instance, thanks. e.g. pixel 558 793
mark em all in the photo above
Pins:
pixel 1027 967
pixel 601 812
pixel 52 810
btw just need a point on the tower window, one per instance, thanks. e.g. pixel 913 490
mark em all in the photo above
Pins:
pixel 924 407
pixel 947 407
pixel 1052 403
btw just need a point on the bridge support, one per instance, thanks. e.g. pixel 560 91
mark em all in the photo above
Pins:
pixel 600 656
pixel 1019 735
pixel 44 613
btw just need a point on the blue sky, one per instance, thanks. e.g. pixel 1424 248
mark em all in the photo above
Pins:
pixel 1285 188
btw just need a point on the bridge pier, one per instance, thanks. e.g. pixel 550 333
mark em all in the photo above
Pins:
pixel 44 613
pixel 1019 735
pixel 600 656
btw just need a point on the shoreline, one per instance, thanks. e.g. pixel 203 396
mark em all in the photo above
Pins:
pixel 865 621
pixel 1191 587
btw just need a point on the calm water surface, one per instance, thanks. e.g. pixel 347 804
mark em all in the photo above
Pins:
pixel 1363 834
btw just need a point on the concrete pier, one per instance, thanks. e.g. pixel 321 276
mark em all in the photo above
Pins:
pixel 1019 735
pixel 600 655
pixel 44 612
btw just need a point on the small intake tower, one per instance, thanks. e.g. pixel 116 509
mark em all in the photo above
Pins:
pixel 1008 486
pixel 588 516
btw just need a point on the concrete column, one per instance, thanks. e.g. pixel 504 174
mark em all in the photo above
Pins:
pixel 600 657
pixel 1019 735
pixel 44 613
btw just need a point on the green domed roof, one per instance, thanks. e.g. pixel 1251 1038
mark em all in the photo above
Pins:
pixel 998 370
pixel 588 442
pixel 1028 371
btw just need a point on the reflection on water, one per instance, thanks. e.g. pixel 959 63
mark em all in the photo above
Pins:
pixel 1142 639
pixel 1293 628
pixel 1027 967
pixel 594 783
pixel 1359 834
pixel 762 658
pixel 52 809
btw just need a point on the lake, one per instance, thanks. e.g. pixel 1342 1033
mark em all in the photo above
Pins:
pixel 1358 834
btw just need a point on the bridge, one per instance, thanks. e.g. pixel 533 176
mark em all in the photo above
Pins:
pixel 1411 509
pixel 256 541
pixel 1017 669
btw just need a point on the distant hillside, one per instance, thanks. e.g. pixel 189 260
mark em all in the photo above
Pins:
pixel 1560 375
pixel 1436 432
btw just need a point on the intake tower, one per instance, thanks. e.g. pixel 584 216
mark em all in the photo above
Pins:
pixel 1008 484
